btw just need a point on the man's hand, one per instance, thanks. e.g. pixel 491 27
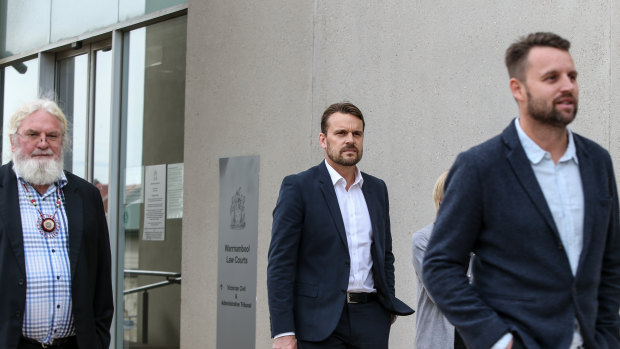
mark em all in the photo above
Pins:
pixel 285 342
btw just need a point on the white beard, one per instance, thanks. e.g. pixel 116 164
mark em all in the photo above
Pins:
pixel 38 171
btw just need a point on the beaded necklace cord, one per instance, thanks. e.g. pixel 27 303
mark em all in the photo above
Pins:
pixel 47 224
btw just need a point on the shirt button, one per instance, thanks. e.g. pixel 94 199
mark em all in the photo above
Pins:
pixel 53 250
pixel 58 306
pixel 57 277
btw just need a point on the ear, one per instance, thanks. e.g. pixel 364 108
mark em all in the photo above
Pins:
pixel 323 140
pixel 518 90
pixel 11 138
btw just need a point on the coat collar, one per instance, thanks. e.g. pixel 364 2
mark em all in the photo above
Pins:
pixel 9 213
pixel 522 168
pixel 329 194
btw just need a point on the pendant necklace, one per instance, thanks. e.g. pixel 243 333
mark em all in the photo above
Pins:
pixel 47 224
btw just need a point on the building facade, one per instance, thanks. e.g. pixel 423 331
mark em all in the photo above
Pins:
pixel 178 85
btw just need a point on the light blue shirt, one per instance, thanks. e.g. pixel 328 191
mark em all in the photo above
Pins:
pixel 561 185
pixel 48 312
pixel 563 191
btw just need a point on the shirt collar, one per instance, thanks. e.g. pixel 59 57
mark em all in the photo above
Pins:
pixel 336 177
pixel 535 153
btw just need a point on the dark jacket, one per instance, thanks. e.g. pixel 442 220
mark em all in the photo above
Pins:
pixel 308 270
pixel 523 283
pixel 89 254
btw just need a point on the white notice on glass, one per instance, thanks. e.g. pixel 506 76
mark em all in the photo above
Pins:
pixel 174 206
pixel 154 203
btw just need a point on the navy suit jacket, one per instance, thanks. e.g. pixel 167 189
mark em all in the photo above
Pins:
pixel 308 269
pixel 89 255
pixel 494 206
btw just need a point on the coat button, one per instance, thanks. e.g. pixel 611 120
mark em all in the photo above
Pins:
pixel 20 282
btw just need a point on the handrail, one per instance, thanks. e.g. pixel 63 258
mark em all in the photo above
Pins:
pixel 171 278
pixel 151 273
pixel 152 286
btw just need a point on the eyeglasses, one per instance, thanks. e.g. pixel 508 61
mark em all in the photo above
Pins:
pixel 36 137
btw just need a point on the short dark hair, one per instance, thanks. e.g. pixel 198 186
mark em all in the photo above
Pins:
pixel 344 108
pixel 516 54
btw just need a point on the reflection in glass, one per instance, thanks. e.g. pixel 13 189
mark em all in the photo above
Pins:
pixel 153 115
pixel 20 86
pixel 73 99
pixel 103 100
pixel 70 17
pixel 27 25
pixel 128 9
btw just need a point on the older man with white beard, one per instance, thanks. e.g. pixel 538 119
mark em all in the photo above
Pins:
pixel 54 244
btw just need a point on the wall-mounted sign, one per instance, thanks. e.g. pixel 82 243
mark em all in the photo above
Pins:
pixel 154 203
pixel 238 236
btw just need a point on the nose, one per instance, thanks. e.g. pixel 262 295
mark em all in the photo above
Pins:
pixel 43 142
pixel 349 138
pixel 568 83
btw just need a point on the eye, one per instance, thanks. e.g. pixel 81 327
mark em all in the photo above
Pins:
pixel 32 134
pixel 52 137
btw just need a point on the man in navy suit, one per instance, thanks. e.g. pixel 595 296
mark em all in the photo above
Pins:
pixel 538 206
pixel 330 276
pixel 54 246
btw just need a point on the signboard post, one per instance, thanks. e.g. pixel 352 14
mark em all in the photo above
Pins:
pixel 238 236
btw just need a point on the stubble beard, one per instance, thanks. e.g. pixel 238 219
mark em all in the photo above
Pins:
pixel 38 171
pixel 541 113
pixel 341 160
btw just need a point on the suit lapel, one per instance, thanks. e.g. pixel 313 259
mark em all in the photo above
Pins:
pixel 525 175
pixel 369 192
pixel 73 206
pixel 331 200
pixel 10 213
pixel 590 190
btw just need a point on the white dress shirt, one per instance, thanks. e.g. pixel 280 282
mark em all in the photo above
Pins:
pixel 358 229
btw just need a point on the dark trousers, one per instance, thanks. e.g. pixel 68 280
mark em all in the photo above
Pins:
pixel 361 326
pixel 71 344
pixel 458 341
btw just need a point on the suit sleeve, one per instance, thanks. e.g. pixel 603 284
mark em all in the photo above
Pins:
pixel 104 301
pixel 456 230
pixel 608 320
pixel 286 232
pixel 389 255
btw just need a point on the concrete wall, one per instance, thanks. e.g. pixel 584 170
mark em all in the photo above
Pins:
pixel 429 76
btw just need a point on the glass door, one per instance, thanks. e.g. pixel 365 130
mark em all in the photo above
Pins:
pixel 83 87
pixel 153 99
